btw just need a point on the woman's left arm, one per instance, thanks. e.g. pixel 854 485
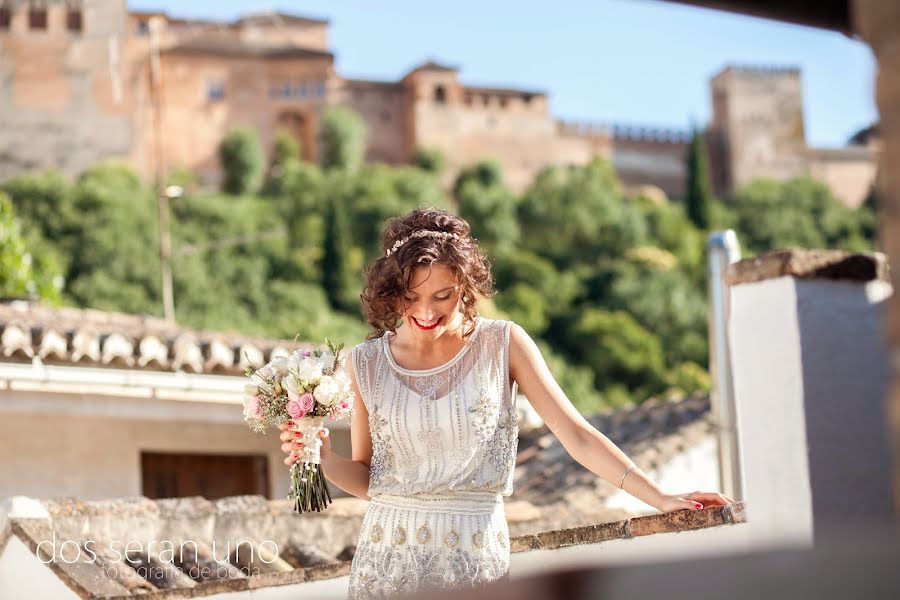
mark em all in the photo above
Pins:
pixel 582 441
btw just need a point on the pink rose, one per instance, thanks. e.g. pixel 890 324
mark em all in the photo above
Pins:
pixel 307 401
pixel 295 408
pixel 344 404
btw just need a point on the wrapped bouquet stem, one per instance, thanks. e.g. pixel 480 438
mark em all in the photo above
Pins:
pixel 301 389
pixel 308 488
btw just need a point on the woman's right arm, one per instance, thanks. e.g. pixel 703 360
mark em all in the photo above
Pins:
pixel 351 475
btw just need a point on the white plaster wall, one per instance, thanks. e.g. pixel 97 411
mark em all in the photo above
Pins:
pixel 23 575
pixel 810 374
pixel 96 454
pixel 768 388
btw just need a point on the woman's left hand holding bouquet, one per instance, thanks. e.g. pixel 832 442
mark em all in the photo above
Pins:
pixel 292 442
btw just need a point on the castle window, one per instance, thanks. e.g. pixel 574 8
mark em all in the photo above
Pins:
pixel 485 99
pixel 503 101
pixel 303 90
pixel 5 17
pixel 73 20
pixel 527 98
pixel 440 95
pixel 320 90
pixel 215 90
pixel 37 16
pixel 143 28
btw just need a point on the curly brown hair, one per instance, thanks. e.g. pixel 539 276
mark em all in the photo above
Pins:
pixel 387 278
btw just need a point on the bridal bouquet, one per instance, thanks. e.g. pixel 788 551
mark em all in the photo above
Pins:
pixel 302 388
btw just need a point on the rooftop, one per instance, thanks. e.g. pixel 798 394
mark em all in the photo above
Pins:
pixel 242 518
pixel 30 331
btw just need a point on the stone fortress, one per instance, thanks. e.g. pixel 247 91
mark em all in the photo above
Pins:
pixel 82 81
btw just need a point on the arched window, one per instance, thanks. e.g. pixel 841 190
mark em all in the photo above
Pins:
pixel 440 95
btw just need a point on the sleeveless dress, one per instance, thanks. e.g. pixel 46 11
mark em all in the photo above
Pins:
pixel 444 444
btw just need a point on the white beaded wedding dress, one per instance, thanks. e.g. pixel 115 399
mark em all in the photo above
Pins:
pixel 443 451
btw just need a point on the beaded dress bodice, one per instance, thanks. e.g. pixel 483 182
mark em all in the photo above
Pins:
pixel 448 429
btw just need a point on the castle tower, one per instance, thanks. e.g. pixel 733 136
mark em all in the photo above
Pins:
pixel 757 125
pixel 64 91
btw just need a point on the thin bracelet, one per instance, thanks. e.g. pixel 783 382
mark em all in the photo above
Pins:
pixel 627 471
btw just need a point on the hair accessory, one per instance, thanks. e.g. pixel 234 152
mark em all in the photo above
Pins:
pixel 421 233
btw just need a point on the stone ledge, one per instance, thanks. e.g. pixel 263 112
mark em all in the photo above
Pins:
pixel 673 522
pixel 87 579
pixel 809 264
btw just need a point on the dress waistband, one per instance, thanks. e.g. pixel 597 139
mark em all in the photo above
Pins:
pixel 461 503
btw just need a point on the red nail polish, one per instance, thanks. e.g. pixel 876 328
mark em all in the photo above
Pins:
pixel 298 434
pixel 698 506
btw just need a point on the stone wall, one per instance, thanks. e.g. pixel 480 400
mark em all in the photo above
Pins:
pixel 65 97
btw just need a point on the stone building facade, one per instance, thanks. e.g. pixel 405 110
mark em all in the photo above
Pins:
pixel 83 80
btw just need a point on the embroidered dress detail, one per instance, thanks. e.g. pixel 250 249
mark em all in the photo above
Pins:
pixel 444 444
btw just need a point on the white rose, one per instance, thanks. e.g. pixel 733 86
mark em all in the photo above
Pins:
pixel 294 360
pixel 343 379
pixel 280 366
pixel 327 390
pixel 289 383
pixel 250 390
pixel 310 370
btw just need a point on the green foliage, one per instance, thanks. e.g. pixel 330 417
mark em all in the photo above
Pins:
pixel 430 160
pixel 699 197
pixel 526 306
pixel 798 213
pixel 686 379
pixel 576 380
pixel 339 278
pixel 616 287
pixel 487 174
pixel 114 242
pixel 344 140
pixel 241 157
pixel 666 302
pixel 287 148
pixel 27 270
pixel 488 206
pixel 619 350
pixel 575 215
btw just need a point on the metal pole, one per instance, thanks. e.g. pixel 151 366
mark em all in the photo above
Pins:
pixel 165 244
pixel 722 249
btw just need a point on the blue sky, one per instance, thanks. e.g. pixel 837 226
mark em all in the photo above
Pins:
pixel 640 62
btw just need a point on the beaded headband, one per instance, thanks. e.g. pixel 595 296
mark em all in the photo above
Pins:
pixel 421 233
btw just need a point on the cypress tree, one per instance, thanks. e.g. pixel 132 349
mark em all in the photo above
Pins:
pixel 337 276
pixel 699 197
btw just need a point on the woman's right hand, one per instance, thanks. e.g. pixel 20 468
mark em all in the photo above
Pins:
pixel 291 442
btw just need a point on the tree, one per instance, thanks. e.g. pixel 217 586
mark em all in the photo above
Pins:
pixel 338 277
pixel 699 198
pixel 344 138
pixel 24 273
pixel 287 148
pixel 430 160
pixel 488 206
pixel 619 351
pixel 241 157
pixel 575 215
pixel 801 212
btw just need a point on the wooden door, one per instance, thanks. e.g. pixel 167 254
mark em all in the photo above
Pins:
pixel 173 475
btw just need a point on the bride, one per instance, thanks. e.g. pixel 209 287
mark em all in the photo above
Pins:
pixel 434 431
